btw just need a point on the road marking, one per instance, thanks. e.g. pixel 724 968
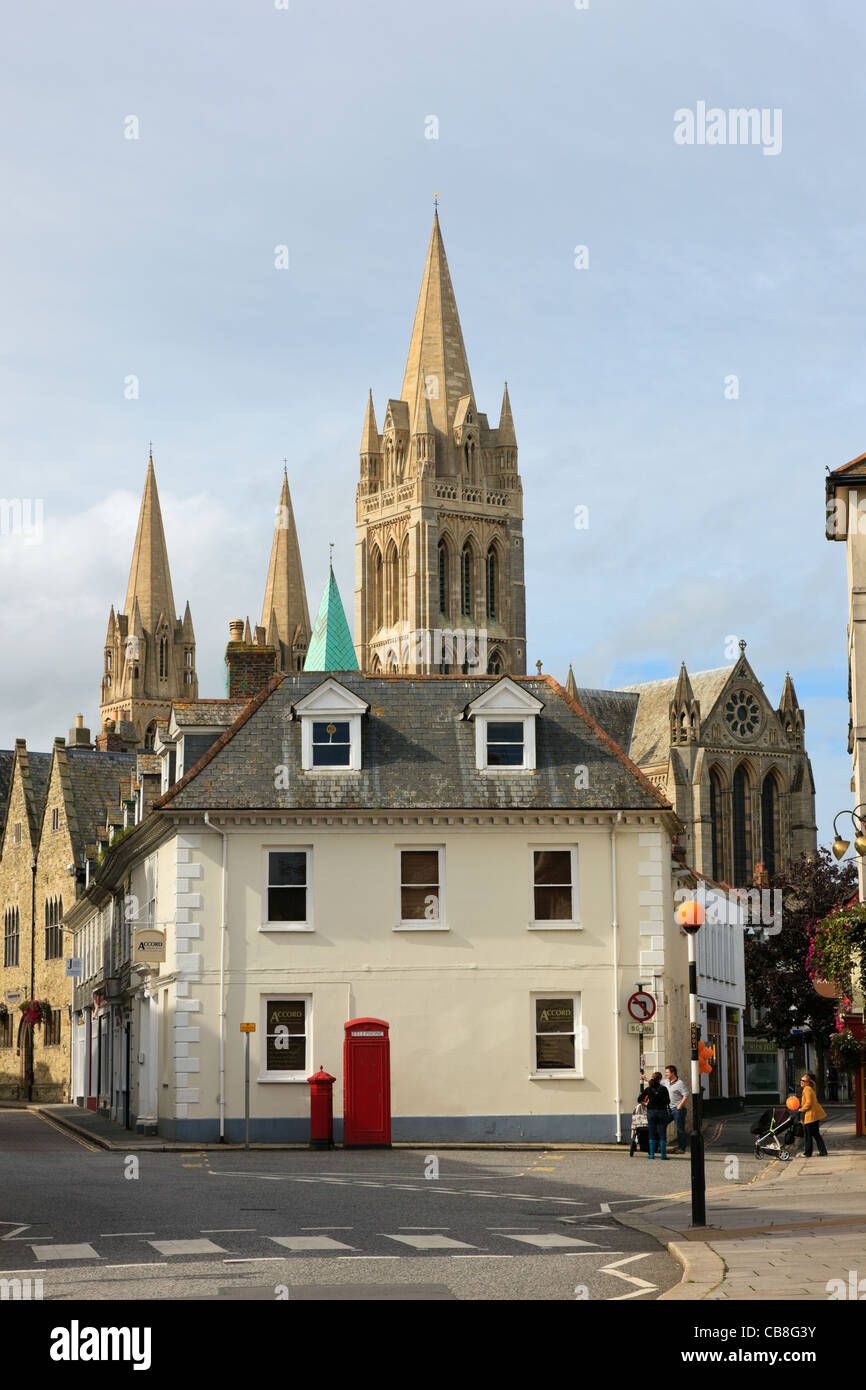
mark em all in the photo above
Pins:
pixel 65 1252
pixel 300 1243
pixel 370 1257
pixel 482 1257
pixel 642 1285
pixel 15 1233
pixel 67 1133
pixel 326 1228
pixel 213 1230
pixel 187 1247
pixel 424 1228
pixel 145 1264
pixel 550 1241
pixel 115 1235
pixel 254 1259
pixel 430 1242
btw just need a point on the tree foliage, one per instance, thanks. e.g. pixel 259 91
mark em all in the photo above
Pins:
pixel 777 978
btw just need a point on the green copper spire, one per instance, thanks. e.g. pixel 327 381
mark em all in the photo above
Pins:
pixel 331 646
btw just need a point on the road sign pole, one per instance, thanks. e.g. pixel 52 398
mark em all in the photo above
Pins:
pixel 246 1090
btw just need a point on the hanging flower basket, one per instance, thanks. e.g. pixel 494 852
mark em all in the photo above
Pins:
pixel 34 1011
pixel 837 948
pixel 846 1051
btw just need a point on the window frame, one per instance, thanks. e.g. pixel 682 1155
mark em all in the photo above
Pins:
pixel 559 1073
pixel 413 923
pixel 481 723
pixel 266 1078
pixel 573 923
pixel 308 923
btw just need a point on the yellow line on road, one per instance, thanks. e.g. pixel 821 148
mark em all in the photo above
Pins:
pixel 67 1133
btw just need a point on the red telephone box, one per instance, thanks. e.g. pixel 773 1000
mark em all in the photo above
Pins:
pixel 367 1083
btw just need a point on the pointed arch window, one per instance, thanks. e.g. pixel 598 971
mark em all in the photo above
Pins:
pixel 404 581
pixel 741 825
pixel 444 596
pixel 770 829
pixel 492 578
pixel 717 801
pixel 163 659
pixel 108 660
pixel 377 588
pixel 494 665
pixel 392 599
pixel 150 734
pixel 10 936
pixel 466 581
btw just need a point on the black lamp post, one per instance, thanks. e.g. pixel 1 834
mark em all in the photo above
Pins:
pixel 691 918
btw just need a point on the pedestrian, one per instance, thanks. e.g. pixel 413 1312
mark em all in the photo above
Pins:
pixel 657 1100
pixel 679 1095
pixel 812 1114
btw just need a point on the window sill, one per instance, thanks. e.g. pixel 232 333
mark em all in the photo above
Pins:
pixel 421 926
pixel 329 771
pixel 556 1076
pixel 281 1080
pixel 505 771
pixel 554 926
pixel 286 927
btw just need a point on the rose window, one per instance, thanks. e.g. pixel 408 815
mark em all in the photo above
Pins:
pixel 742 714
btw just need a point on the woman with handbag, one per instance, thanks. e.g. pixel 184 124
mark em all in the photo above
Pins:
pixel 657 1100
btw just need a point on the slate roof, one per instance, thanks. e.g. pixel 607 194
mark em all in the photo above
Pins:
pixel 7 762
pixel 206 714
pixel 417 751
pixel 95 778
pixel 614 710
pixel 651 739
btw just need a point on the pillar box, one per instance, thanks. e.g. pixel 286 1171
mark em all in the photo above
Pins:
pixel 321 1109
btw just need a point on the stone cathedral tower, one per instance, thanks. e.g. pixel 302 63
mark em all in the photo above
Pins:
pixel 149 651
pixel 439 515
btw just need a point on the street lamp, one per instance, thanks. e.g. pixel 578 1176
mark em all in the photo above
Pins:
pixel 690 916
pixel 841 846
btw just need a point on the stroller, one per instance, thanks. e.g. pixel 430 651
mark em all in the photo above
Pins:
pixel 639 1130
pixel 775 1132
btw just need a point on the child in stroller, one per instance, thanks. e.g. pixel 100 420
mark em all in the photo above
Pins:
pixel 775 1131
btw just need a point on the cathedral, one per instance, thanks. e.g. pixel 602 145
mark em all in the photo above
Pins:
pixel 439 589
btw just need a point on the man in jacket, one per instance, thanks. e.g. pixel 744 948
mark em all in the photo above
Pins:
pixel 812 1115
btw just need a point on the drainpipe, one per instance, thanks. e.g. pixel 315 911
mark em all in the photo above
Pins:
pixel 222 1008
pixel 30 1069
pixel 617 1042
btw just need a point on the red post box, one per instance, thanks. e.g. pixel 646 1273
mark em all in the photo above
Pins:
pixel 367 1084
pixel 321 1109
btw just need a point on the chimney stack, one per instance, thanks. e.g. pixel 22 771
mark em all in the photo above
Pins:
pixel 249 667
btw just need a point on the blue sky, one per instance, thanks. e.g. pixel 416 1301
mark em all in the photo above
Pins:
pixel 305 126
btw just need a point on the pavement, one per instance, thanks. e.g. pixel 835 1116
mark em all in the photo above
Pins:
pixel 787 1235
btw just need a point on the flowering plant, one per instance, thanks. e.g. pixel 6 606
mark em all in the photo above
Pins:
pixel 34 1011
pixel 836 950
pixel 845 1051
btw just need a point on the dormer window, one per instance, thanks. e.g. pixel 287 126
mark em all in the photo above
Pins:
pixel 504 717
pixel 330 718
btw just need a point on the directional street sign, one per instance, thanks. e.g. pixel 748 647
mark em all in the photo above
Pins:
pixel 641 1006
pixel 646 1028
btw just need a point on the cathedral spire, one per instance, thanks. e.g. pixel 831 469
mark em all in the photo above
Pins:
pixel 685 711
pixel 149 576
pixel 571 684
pixel 505 432
pixel 683 693
pixel 370 436
pixel 437 363
pixel 284 611
pixel 331 647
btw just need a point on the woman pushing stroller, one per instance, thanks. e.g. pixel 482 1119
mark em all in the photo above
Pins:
pixel 656 1098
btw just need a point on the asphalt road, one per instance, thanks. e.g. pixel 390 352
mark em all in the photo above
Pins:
pixel 360 1223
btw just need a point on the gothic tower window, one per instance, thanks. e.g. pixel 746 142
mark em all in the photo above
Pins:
pixel 163 659
pixel 466 581
pixel 443 578
pixel 392 599
pixel 150 734
pixel 494 665
pixel 491 582
pixel 741 821
pixel 108 661
pixel 717 801
pixel 404 580
pixel 770 838
pixel 376 566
